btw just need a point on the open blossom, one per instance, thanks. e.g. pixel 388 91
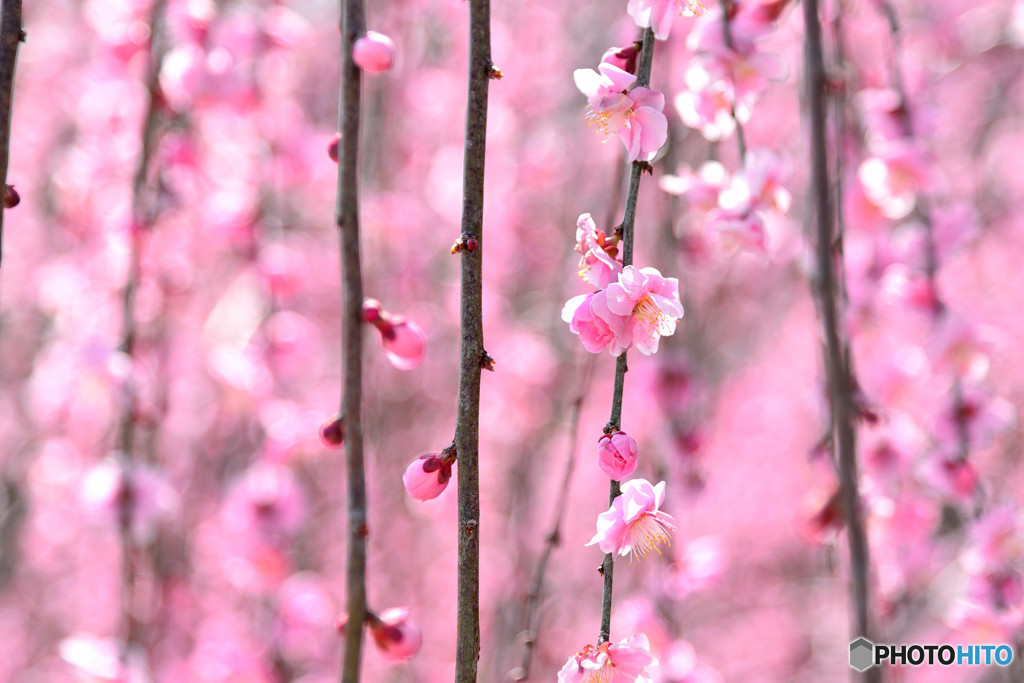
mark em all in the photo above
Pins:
pixel 649 303
pixel 427 476
pixel 634 525
pixel 588 316
pixel 635 116
pixel 598 264
pixel 626 660
pixel 617 455
pixel 661 14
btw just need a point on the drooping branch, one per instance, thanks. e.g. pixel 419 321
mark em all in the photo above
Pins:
pixel 741 142
pixel 353 26
pixel 143 216
pixel 11 34
pixel 615 419
pixel 840 391
pixel 473 356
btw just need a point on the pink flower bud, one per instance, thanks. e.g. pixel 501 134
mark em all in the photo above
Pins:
pixel 404 343
pixel 374 52
pixel 397 638
pixel 427 476
pixel 332 432
pixel 11 197
pixel 616 455
pixel 332 147
pixel 371 310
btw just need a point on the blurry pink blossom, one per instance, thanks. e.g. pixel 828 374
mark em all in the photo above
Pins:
pixel 980 623
pixel 99 659
pixel 427 476
pixel 598 266
pixel 957 480
pixel 617 455
pixel 649 303
pixel 680 665
pixel 144 491
pixel 975 415
pixel 893 176
pixel 700 188
pixel 698 566
pixel 661 14
pixel 626 660
pixel 883 114
pixel 634 525
pixel 996 542
pixel 719 86
pixel 404 343
pixel 397 638
pixel 265 500
pixel 374 52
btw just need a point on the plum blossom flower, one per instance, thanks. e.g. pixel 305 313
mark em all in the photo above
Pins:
pixel 108 489
pixel 661 14
pixel 634 525
pixel 738 220
pixel 396 637
pixel 598 265
pixel 427 476
pixel 635 116
pixel 701 187
pixel 617 455
pixel 374 52
pixel 892 178
pixel 649 303
pixel 626 660
pixel 588 316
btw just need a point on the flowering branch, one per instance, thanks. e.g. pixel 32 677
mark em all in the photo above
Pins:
pixel 473 356
pixel 11 34
pixel 347 219
pixel 615 419
pixel 840 392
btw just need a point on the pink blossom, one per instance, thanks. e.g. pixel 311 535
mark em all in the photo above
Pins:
pixel 996 542
pixel 265 500
pixel 719 85
pixel 622 57
pixel 374 52
pixel 701 188
pixel 617 455
pixel 588 316
pixel 597 263
pixel 892 178
pixel 661 14
pixel 427 476
pixel 107 488
pixel 635 116
pixel 626 660
pixel 634 525
pixel 649 303
pixel 397 638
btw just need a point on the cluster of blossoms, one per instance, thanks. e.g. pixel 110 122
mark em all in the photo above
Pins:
pixel 724 81
pixel 635 307
pixel 735 207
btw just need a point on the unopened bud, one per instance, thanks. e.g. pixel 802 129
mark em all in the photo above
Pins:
pixel 332 147
pixel 332 432
pixel 11 197
pixel 371 310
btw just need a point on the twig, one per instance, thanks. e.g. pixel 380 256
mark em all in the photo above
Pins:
pixel 347 219
pixel 143 216
pixel 554 537
pixel 741 142
pixel 11 34
pixel 615 419
pixel 840 394
pixel 467 425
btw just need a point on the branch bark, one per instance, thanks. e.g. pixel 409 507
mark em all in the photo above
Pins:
pixel 467 425
pixel 615 419
pixel 347 219
pixel 840 392
pixel 11 34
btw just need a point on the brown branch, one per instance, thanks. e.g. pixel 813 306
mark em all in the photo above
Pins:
pixel 11 34
pixel 467 425
pixel 347 219
pixel 840 391
pixel 615 419
pixel 741 141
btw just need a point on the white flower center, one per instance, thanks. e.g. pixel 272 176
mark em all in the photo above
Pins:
pixel 647 534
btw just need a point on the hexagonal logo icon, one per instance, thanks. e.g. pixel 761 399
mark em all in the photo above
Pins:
pixel 862 654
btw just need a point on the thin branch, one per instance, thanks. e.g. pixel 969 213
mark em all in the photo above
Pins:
pixel 143 216
pixel 11 34
pixel 840 391
pixel 741 142
pixel 467 425
pixel 554 537
pixel 347 218
pixel 615 419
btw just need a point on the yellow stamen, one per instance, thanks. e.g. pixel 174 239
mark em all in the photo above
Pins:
pixel 652 318
pixel 647 534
